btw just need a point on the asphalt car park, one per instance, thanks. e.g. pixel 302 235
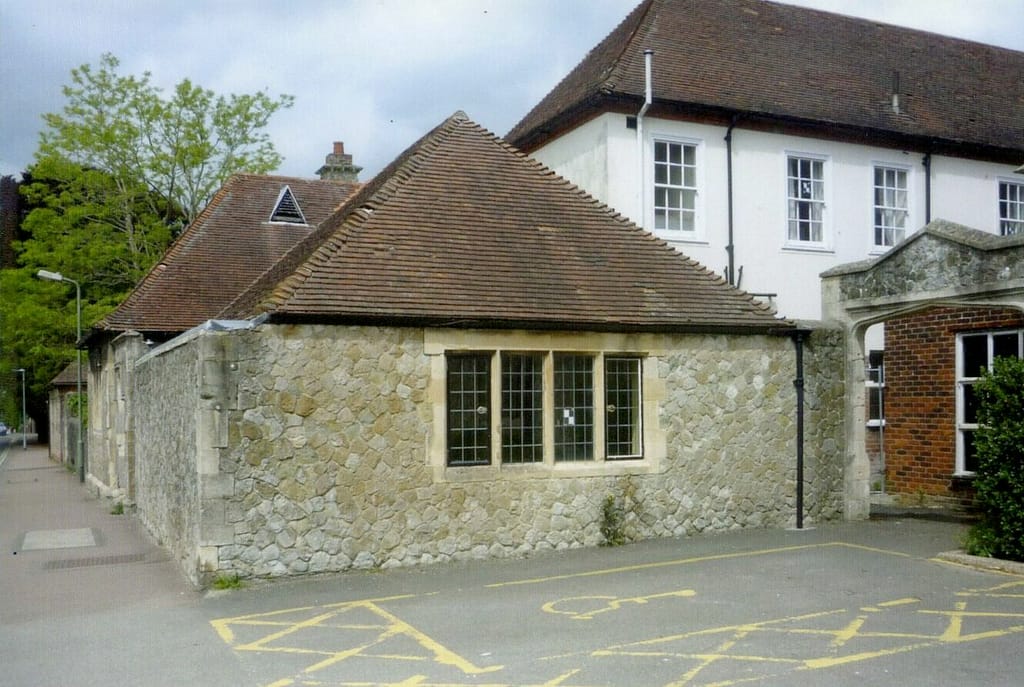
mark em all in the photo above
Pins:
pixel 88 599
pixel 841 605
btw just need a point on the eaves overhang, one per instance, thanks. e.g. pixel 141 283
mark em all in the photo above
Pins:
pixel 777 327
pixel 629 104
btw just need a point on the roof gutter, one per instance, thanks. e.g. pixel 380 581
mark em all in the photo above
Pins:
pixel 642 162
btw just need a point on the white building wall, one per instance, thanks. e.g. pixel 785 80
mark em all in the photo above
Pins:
pixel 602 157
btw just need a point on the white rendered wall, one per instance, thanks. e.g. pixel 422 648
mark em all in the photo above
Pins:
pixel 602 157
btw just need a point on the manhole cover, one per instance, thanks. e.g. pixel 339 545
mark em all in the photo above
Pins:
pixel 41 540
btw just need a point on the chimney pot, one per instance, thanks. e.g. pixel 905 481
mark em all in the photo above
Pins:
pixel 338 165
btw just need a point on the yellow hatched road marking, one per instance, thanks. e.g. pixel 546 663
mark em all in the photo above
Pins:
pixel 689 561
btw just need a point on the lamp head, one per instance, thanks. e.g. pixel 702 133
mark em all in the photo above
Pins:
pixel 52 276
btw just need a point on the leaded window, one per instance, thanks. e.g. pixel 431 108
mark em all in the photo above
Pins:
pixel 574 407
pixel 469 424
pixel 522 407
pixel 622 405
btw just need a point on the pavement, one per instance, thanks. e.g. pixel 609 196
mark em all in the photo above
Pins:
pixel 61 544
pixel 87 598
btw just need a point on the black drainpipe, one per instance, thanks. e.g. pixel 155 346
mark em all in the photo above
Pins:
pixel 799 336
pixel 926 162
pixel 730 248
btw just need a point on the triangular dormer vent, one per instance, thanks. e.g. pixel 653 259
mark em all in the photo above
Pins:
pixel 287 208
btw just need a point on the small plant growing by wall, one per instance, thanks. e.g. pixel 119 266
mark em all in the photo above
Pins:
pixel 615 513
pixel 999 480
pixel 612 520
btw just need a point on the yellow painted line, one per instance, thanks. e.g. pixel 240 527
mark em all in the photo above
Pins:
pixel 443 655
pixel 849 632
pixel 992 571
pixel 832 661
pixel 614 603
pixel 689 561
pixel 223 625
pixel 899 602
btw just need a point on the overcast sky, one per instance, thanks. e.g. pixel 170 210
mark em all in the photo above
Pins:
pixel 376 74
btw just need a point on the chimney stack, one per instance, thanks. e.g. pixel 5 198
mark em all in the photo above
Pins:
pixel 338 166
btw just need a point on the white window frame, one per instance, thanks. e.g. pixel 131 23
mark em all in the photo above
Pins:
pixel 825 241
pixel 651 185
pixel 1015 216
pixel 963 381
pixel 907 171
pixel 872 388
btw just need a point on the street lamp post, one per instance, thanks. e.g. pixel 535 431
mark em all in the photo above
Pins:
pixel 24 418
pixel 57 276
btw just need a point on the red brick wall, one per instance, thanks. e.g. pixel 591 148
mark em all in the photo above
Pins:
pixel 920 394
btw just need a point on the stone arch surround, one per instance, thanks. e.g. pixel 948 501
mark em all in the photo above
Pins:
pixel 943 264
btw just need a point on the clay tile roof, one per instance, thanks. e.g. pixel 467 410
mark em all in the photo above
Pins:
pixel 463 230
pixel 779 62
pixel 219 255
pixel 68 376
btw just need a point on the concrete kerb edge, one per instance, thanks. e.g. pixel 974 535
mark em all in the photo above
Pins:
pixel 982 562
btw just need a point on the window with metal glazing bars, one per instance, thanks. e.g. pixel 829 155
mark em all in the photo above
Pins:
pixel 622 405
pixel 469 424
pixel 574 407
pixel 522 407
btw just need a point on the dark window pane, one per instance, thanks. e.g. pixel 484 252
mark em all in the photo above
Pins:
pixel 1005 345
pixel 970 408
pixel 875 372
pixel 875 402
pixel 970 451
pixel 975 354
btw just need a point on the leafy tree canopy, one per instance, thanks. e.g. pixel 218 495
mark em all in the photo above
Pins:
pixel 179 149
pixel 118 171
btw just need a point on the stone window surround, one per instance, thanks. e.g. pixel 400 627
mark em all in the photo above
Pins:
pixel 438 342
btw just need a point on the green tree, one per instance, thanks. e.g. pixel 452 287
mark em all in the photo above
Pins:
pixel 1000 477
pixel 174 152
pixel 118 171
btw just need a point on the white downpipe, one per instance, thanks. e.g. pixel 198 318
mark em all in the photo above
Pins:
pixel 648 97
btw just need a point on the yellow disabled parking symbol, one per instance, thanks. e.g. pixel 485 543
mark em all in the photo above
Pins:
pixel 587 607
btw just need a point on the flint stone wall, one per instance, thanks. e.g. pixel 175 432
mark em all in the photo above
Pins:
pixel 167 487
pixel 325 465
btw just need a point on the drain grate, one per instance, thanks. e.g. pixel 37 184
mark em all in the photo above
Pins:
pixel 93 560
